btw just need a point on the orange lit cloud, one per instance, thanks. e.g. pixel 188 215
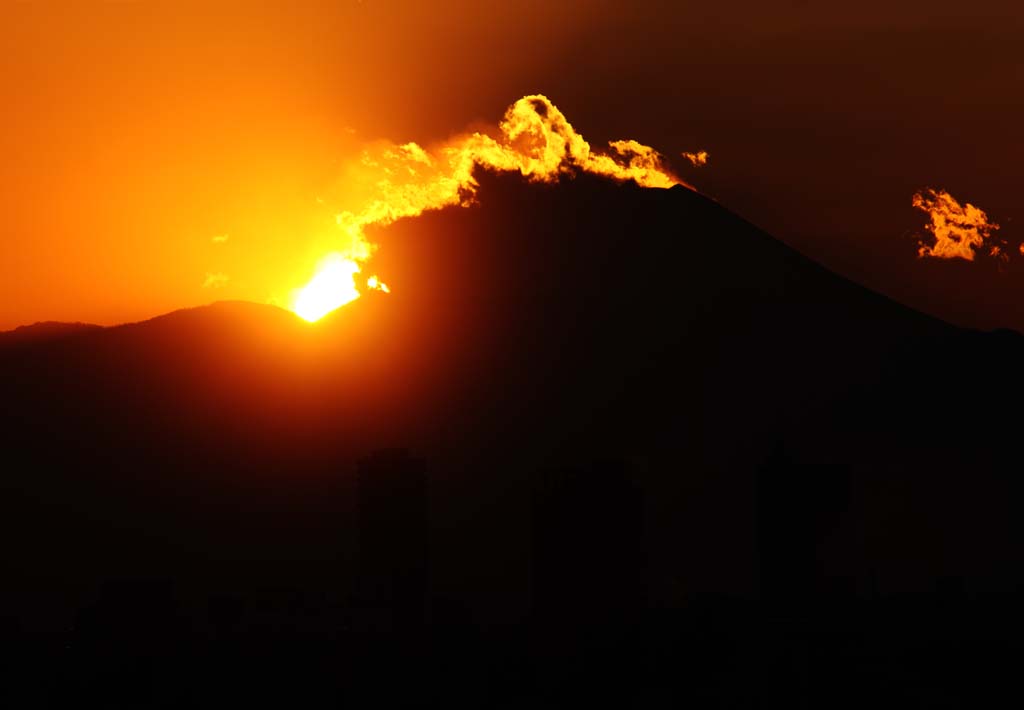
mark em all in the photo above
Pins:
pixel 958 229
pixel 390 182
pixel 698 159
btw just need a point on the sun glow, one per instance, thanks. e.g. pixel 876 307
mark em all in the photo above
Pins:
pixel 333 285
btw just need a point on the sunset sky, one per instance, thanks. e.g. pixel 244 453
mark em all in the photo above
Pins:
pixel 164 155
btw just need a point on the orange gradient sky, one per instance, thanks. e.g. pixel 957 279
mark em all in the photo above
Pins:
pixel 164 155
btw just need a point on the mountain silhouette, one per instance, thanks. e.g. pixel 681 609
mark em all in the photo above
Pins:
pixel 777 432
pixel 47 330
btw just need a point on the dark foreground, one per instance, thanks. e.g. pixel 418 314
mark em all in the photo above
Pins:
pixel 604 445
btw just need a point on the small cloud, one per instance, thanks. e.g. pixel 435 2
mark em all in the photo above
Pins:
pixel 698 159
pixel 958 229
pixel 220 238
pixel 376 284
pixel 215 280
pixel 997 252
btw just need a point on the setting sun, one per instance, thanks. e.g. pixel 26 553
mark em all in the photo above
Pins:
pixel 332 287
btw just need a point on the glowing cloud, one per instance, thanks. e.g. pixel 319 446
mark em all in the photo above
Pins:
pixel 221 238
pixel 215 280
pixel 698 159
pixel 392 181
pixel 375 283
pixel 958 229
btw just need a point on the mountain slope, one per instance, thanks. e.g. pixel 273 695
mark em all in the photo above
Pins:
pixel 548 326
pixel 37 332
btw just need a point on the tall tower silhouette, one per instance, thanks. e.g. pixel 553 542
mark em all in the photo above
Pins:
pixel 392 517
pixel 798 507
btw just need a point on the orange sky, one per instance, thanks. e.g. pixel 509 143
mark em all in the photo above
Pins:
pixel 135 133
pixel 140 132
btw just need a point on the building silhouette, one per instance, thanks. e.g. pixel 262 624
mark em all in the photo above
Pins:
pixel 392 538
pixel 589 557
pixel 798 507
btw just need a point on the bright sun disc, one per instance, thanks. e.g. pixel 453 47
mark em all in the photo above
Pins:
pixel 331 287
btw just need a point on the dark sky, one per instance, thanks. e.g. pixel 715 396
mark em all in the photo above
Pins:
pixel 136 132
